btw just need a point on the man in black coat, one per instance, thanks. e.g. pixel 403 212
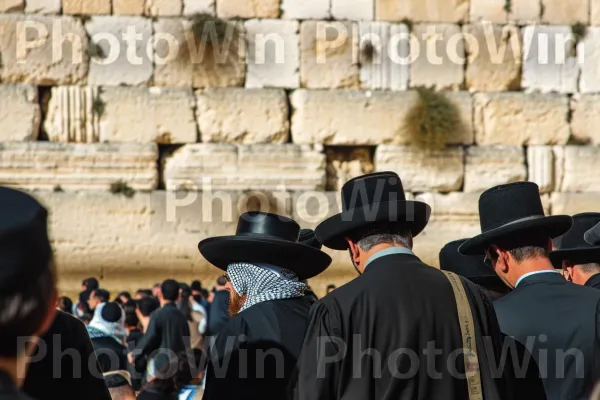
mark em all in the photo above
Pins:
pixel 579 260
pixel 218 315
pixel 554 319
pixel 394 332
pixel 255 354
pixel 168 333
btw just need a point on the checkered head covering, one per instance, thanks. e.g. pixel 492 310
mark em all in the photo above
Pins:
pixel 264 282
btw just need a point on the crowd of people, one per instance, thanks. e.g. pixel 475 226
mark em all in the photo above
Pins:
pixel 512 313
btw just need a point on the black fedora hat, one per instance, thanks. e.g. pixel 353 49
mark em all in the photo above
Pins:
pixel 471 267
pixel 269 239
pixel 511 211
pixel 307 237
pixel 368 201
pixel 573 247
pixel 593 236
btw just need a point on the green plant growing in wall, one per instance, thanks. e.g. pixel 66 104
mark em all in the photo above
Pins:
pixel 579 31
pixel 432 120
pixel 211 28
pixel 58 189
pixel 121 187
pixel 99 107
pixel 508 6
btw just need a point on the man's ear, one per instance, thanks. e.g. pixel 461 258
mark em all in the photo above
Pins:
pixel 503 258
pixel 50 314
pixel 354 250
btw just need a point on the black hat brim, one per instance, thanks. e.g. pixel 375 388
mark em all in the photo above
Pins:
pixel 303 260
pixel 577 256
pixel 333 231
pixel 551 226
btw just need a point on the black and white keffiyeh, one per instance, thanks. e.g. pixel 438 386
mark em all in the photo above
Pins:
pixel 263 282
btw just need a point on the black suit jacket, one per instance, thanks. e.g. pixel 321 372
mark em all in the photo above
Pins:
pixel 558 322
pixel 219 312
pixel 593 282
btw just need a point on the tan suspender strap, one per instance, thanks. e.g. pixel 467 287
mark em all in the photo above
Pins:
pixel 467 329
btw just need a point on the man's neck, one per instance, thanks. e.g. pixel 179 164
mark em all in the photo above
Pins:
pixel 145 321
pixel 539 264
pixel 165 302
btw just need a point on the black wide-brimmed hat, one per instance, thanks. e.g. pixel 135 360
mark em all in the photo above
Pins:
pixel 371 202
pixel 267 239
pixel 471 267
pixel 509 212
pixel 573 246
pixel 307 237
pixel 593 236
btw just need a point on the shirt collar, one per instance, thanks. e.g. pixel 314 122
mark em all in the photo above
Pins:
pixel 527 275
pixel 387 252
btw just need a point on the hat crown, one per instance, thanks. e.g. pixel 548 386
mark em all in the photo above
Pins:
pixel 574 238
pixel 372 189
pixel 506 204
pixel 268 225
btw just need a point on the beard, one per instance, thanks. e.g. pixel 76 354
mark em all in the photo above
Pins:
pixel 236 302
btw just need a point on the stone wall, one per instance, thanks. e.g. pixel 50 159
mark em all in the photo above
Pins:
pixel 148 125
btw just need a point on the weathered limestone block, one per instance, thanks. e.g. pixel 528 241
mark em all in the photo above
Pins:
pixel 20 113
pixel 379 57
pixel 43 6
pixel 352 9
pixel 549 65
pixel 455 206
pixel 312 208
pixel 74 114
pixel 540 162
pixel 36 61
pixel 86 7
pixel 148 115
pixel 557 12
pixel 590 74
pixel 305 9
pixel 576 166
pixel 441 171
pixel 208 166
pixel 519 119
pixel 243 115
pixel 525 11
pixel 248 9
pixel 445 70
pixel 488 10
pixel 431 11
pixel 128 7
pixel 197 63
pixel 574 203
pixel 428 244
pixel 191 7
pixel 586 119
pixel 328 55
pixel 353 117
pixel 163 8
pixel 121 64
pixel 595 12
pixel 490 166
pixel 12 5
pixel 45 165
pixel 495 62
pixel 345 163
pixel 273 54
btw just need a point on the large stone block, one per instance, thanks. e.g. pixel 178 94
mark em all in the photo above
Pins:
pixel 345 163
pixel 212 61
pixel 74 114
pixel 549 62
pixel 208 166
pixel 590 73
pixel 328 55
pixel 191 7
pixel 431 11
pixel 20 113
pixel 248 9
pixel 273 54
pixel 488 10
pixel 148 115
pixel 557 12
pixel 540 163
pixel 352 9
pixel 495 57
pixel 86 7
pixel 243 115
pixel 490 166
pixel 444 69
pixel 352 117
pixel 428 244
pixel 574 203
pixel 595 12
pixel 45 165
pixel 305 9
pixel 441 171
pixel 37 57
pixel 574 168
pixel 118 61
pixel 586 118
pixel 128 7
pixel 43 6
pixel 12 5
pixel 163 8
pixel 380 53
pixel 455 206
pixel 518 119
pixel 525 11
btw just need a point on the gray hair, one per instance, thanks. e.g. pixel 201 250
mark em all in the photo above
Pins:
pixel 400 238
pixel 590 268
pixel 521 254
